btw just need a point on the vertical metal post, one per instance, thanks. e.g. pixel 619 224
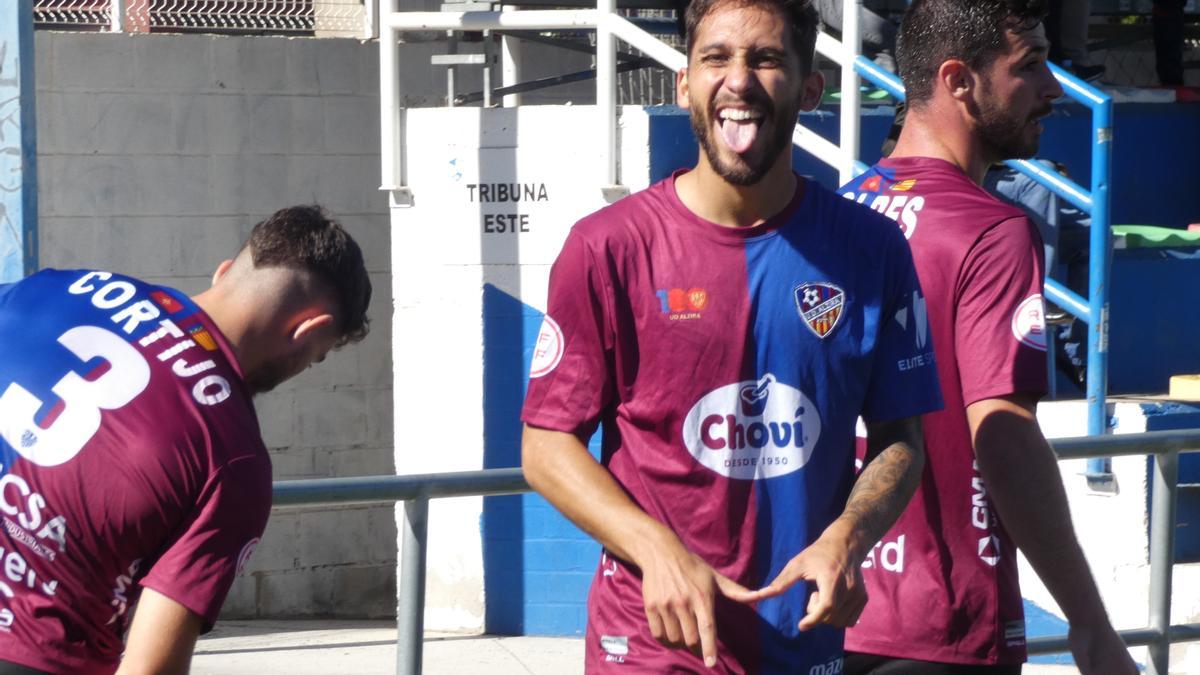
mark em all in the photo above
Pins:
pixel 116 10
pixel 451 70
pixel 848 117
pixel 489 51
pixel 391 115
pixel 18 143
pixel 1162 557
pixel 1165 480
pixel 606 95
pixel 370 19
pixel 410 611
pixel 1099 267
pixel 510 67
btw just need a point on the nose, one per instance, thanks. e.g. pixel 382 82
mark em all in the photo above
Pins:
pixel 1053 90
pixel 739 76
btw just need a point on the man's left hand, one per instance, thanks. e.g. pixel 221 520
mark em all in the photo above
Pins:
pixel 840 595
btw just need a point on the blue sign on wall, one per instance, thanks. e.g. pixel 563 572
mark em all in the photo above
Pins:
pixel 18 146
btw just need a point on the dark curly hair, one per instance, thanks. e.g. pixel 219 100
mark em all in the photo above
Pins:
pixel 972 31
pixel 305 237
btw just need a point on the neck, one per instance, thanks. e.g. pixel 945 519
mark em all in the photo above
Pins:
pixel 704 192
pixel 229 320
pixel 927 133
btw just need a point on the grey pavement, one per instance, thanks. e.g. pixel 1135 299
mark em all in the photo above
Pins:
pixel 368 648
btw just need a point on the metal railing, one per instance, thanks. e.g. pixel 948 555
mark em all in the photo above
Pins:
pixel 278 17
pixel 416 491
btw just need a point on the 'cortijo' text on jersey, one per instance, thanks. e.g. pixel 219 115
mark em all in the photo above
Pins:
pixel 130 456
pixel 727 367
pixel 943 581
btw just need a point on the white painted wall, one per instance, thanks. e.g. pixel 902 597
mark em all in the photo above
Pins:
pixel 441 257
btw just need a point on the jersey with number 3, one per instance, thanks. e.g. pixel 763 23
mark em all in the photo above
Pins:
pixel 130 457
pixel 943 581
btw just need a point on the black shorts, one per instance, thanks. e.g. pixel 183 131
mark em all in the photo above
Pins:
pixel 870 664
pixel 7 668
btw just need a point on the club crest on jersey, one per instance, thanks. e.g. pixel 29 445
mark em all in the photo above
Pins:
pixel 820 305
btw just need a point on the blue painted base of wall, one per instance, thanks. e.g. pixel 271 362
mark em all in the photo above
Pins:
pixel 536 565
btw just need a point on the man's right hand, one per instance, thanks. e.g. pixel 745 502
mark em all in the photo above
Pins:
pixel 679 591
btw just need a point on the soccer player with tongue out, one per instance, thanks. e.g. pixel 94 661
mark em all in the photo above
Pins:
pixel 725 328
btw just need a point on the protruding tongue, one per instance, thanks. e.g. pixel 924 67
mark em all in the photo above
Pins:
pixel 739 135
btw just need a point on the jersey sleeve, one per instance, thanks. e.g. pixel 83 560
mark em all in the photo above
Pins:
pixel 904 379
pixel 1000 332
pixel 569 379
pixel 199 564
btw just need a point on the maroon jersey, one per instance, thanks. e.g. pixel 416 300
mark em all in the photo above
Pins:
pixel 727 367
pixel 943 582
pixel 131 458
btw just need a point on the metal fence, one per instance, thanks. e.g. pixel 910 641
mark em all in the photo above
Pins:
pixel 271 17
pixel 416 491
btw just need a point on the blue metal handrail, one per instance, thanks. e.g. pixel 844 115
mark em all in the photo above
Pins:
pixel 1094 309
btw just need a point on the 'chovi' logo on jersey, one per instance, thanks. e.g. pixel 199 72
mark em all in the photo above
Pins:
pixel 753 429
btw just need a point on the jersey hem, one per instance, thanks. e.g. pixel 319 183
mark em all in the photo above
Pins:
pixel 19 655
pixel 927 653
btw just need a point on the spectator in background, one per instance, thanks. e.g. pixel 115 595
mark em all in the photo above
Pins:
pixel 1168 41
pixel 878 32
pixel 1067 30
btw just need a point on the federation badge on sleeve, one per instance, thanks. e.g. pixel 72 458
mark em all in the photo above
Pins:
pixel 1029 323
pixel 547 348
pixel 820 305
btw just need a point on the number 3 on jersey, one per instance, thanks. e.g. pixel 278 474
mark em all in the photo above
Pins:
pixel 127 376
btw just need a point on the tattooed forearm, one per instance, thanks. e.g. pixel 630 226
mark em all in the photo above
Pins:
pixel 888 481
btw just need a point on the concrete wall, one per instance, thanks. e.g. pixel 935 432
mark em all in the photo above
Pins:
pixel 157 154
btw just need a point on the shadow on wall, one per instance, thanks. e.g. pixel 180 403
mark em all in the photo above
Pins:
pixel 536 565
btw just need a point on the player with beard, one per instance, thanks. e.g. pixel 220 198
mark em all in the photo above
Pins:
pixel 725 327
pixel 131 461
pixel 943 582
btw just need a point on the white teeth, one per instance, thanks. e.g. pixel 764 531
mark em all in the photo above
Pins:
pixel 740 115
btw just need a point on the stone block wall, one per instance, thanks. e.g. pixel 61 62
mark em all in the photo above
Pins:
pixel 157 154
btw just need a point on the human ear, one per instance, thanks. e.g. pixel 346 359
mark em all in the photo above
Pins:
pixel 221 270
pixel 310 326
pixel 813 88
pixel 681 89
pixel 956 79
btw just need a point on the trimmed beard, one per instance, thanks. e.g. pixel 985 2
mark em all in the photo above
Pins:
pixel 747 174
